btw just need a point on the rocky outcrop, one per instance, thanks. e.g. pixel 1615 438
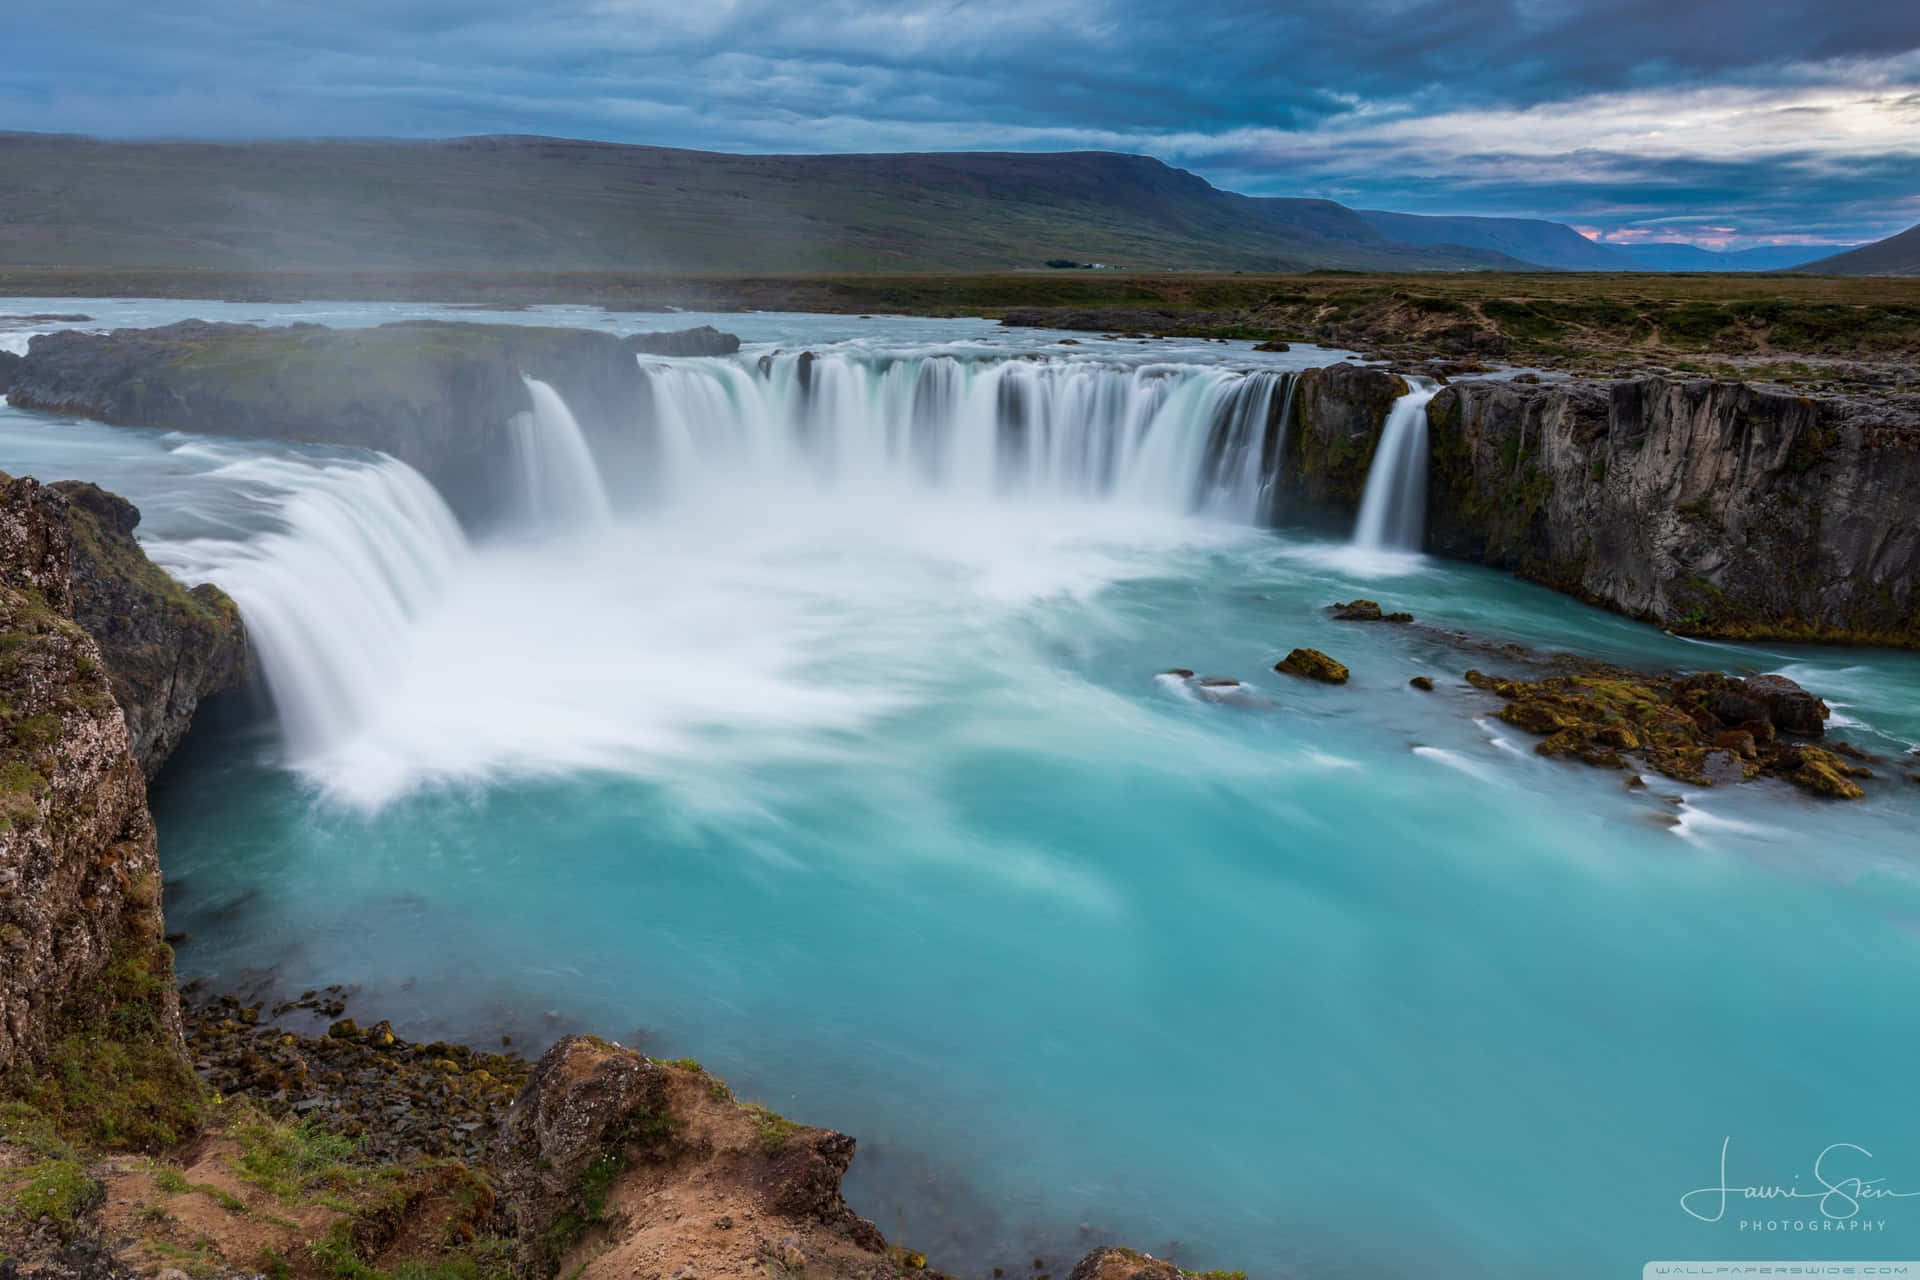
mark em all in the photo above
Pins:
pixel 166 648
pixel 1364 611
pixel 1337 416
pixel 703 341
pixel 103 659
pixel 1116 1263
pixel 617 1165
pixel 9 362
pixel 1712 508
pixel 1311 664
pixel 79 875
pixel 437 395
pixel 1699 729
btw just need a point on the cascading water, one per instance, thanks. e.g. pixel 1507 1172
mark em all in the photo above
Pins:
pixel 559 479
pixel 330 598
pixel 369 589
pixel 1393 512
pixel 1174 438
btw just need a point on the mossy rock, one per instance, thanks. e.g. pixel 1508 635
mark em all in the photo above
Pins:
pixel 1311 664
pixel 1679 725
pixel 1365 611
pixel 1824 773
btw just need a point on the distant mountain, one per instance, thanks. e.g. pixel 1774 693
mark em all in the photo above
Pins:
pixel 1550 244
pixel 1895 256
pixel 1687 257
pixel 545 204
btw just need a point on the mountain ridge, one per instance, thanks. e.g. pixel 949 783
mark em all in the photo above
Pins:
pixel 528 202
pixel 1897 255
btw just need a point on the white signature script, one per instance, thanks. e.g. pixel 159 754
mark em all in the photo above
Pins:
pixel 1839 1197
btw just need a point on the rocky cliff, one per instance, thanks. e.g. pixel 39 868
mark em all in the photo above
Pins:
pixel 436 395
pixel 1714 508
pixel 166 648
pixel 102 662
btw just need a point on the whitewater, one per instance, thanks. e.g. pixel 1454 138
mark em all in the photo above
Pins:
pixel 831 747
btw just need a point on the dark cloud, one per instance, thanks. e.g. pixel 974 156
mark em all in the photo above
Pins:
pixel 1778 117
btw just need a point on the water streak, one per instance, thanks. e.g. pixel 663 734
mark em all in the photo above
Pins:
pixel 558 478
pixel 1393 512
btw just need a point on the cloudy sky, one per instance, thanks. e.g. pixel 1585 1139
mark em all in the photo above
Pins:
pixel 1706 120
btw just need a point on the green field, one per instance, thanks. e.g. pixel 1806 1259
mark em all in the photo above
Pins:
pixel 1684 321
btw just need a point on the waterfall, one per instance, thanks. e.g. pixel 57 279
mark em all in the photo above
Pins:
pixel 360 551
pixel 357 584
pixel 1393 512
pixel 559 481
pixel 1173 437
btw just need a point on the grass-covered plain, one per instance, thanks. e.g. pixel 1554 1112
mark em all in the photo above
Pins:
pixel 1771 320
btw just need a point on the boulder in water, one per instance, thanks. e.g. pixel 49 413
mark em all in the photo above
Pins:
pixel 1789 706
pixel 8 363
pixel 1826 774
pixel 1364 611
pixel 1597 715
pixel 1422 683
pixel 1183 672
pixel 1273 345
pixel 1311 664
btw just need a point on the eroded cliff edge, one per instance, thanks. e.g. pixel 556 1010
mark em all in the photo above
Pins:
pixel 1708 507
pixel 80 929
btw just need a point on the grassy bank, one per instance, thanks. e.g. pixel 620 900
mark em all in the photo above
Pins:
pixel 1766 320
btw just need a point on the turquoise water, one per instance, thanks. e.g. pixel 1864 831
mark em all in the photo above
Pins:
pixel 872 800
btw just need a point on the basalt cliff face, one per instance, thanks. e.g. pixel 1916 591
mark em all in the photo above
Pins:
pixel 80 922
pixel 1714 508
pixel 436 395
pixel 166 648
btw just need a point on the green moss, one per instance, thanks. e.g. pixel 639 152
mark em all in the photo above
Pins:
pixel 200 1261
pixel 596 1183
pixel 58 1191
pixel 285 1158
pixel 774 1128
pixel 115 1076
pixel 24 1125
pixel 489 1258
